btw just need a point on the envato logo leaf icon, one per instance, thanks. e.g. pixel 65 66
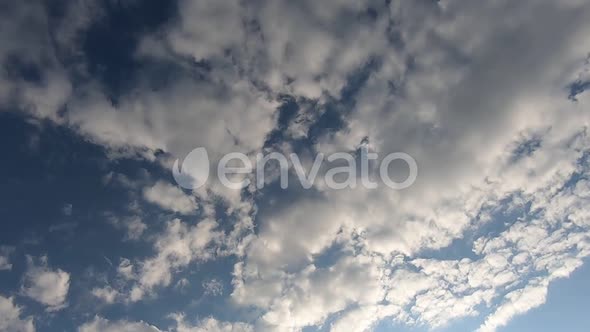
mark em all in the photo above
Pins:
pixel 194 171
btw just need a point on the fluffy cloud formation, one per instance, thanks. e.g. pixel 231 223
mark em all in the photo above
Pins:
pixel 209 325
pixel 106 294
pixel 480 94
pixel 171 198
pixel 27 44
pixel 10 317
pixel 464 112
pixel 99 324
pixel 46 285
pixel 176 248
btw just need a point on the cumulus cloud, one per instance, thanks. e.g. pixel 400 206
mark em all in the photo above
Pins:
pixel 170 197
pixel 10 317
pixel 46 285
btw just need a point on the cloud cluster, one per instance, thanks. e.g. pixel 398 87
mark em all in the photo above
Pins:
pixel 476 92
pixel 464 111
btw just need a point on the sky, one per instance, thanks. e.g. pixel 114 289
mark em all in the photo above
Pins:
pixel 116 117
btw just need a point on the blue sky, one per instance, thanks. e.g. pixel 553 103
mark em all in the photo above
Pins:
pixel 99 98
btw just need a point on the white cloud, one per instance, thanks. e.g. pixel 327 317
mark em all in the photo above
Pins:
pixel 133 226
pixel 317 292
pixel 457 85
pixel 99 324
pixel 212 287
pixel 182 284
pixel 517 302
pixel 10 317
pixel 176 248
pixel 5 253
pixel 364 318
pixel 222 114
pixel 171 198
pixel 31 46
pixel 207 29
pixel 446 114
pixel 209 325
pixel 125 269
pixel 45 285
pixel 107 294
